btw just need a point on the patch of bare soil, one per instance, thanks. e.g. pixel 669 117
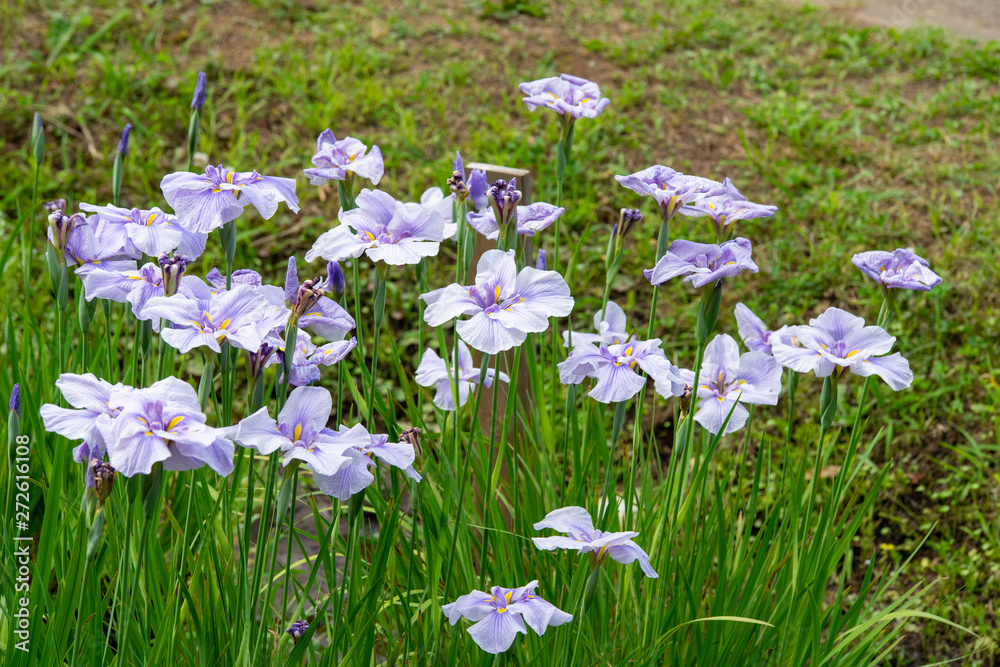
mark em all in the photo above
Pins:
pixel 979 19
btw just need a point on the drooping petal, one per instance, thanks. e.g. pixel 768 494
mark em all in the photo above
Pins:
pixel 487 334
pixel 894 369
pixel 616 383
pixel 448 303
pixel 712 414
pixel 474 606
pixel 557 542
pixel 540 614
pixel 629 552
pixel 347 481
pixel 258 431
pixel 496 633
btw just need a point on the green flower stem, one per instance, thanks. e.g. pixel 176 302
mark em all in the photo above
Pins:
pixel 465 475
pixel 194 125
pixel 379 312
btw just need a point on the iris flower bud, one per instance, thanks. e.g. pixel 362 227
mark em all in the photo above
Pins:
pixel 198 99
pixel 123 143
pixel 297 629
pixel 309 293
pixel 104 478
pixel 504 198
pixel 172 269
pixel 60 228
pixel 335 278
pixel 412 436
pixel 15 400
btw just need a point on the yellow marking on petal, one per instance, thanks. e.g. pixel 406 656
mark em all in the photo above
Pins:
pixel 710 205
pixel 370 236
pixel 351 158
pixel 628 351
pixel 149 221
pixel 143 420
pixel 585 99
pixel 851 354
pixel 298 432
pixel 308 314
pixel 501 610
pixel 229 178
pixel 704 386
pixel 496 293
pixel 822 346
pixel 174 422
pixel 135 277
pixel 225 323
pixel 721 398
pixel 729 263
pixel 507 595
pixel 216 190
pixel 148 433
pixel 207 316
pixel 741 382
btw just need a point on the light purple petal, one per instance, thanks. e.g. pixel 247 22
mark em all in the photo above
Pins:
pixel 894 369
pixel 496 633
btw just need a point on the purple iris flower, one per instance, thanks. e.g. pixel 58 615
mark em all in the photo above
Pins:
pixel 215 283
pixel 435 199
pixel 565 94
pixel 727 207
pixel 615 369
pixel 355 477
pixel 136 233
pixel 611 329
pixel 730 382
pixel 325 317
pixel 206 201
pixel 899 269
pixel 531 219
pixel 300 433
pixel 702 263
pixel 335 160
pixel 505 305
pixel 472 186
pixel 307 357
pixel 86 251
pixel 540 262
pixel 134 286
pixel 432 372
pixel 755 334
pixel 92 399
pixel 164 423
pixel 576 523
pixel 671 189
pixel 384 229
pixel 240 316
pixel 499 615
pixel 837 341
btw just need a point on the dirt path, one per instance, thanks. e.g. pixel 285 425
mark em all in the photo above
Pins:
pixel 979 19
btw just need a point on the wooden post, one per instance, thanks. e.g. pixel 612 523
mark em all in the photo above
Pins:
pixel 523 176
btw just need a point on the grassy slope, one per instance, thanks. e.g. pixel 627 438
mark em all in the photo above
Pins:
pixel 864 138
